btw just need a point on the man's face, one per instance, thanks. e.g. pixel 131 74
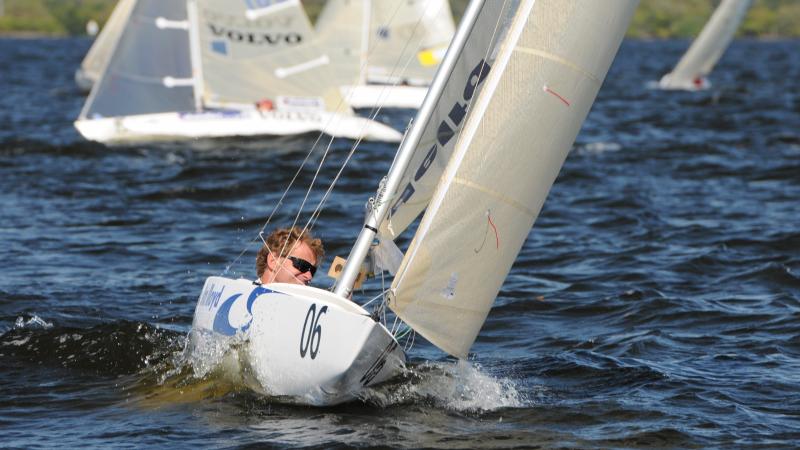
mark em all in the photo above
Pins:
pixel 285 270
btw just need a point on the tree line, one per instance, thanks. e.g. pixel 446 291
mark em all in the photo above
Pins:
pixel 653 18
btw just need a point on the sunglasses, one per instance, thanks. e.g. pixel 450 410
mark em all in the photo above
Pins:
pixel 302 265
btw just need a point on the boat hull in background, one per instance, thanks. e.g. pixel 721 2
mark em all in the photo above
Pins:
pixel 384 96
pixel 302 344
pixel 174 126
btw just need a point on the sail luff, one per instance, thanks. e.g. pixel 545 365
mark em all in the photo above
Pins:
pixel 195 54
pixel 100 53
pixel 514 142
pixel 135 79
pixel 708 48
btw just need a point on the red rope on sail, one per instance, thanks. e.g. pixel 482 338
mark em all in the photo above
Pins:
pixel 547 89
pixel 496 236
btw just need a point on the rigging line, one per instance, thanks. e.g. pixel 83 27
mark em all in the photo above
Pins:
pixel 373 299
pixel 397 79
pixel 320 206
pixel 373 114
pixel 277 205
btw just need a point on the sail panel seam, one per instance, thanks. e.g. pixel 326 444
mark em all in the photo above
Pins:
pixel 503 198
pixel 559 60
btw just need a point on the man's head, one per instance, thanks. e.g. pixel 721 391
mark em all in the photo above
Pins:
pixel 289 257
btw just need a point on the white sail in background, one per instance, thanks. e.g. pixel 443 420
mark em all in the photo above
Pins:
pixel 707 49
pixel 263 53
pixel 138 80
pixel 414 31
pixel 514 141
pixel 95 60
pixel 438 138
pixel 341 28
pixel 371 40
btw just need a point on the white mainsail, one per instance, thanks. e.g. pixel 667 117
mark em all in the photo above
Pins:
pixel 707 49
pixel 95 60
pixel 515 139
pixel 139 80
pixel 371 41
pixel 437 141
pixel 252 53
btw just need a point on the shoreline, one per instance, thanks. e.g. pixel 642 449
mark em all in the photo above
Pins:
pixel 40 35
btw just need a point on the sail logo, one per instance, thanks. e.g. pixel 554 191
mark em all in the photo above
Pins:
pixel 255 38
pixel 447 129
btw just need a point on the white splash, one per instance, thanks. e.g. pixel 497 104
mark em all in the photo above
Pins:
pixel 461 386
pixel 206 353
pixel 595 148
pixel 34 321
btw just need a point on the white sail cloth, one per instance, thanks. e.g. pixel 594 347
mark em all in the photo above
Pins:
pixel 515 139
pixel 98 55
pixel 140 80
pixel 371 40
pixel 707 49
pixel 267 52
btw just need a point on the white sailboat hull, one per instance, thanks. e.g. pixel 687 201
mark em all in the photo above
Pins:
pixel 670 84
pixel 174 126
pixel 384 96
pixel 301 343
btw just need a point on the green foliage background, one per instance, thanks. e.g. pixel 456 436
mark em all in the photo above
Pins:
pixel 653 18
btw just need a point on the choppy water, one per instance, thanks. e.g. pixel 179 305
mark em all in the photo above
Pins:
pixel 656 303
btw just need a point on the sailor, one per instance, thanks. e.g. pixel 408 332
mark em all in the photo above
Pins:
pixel 289 255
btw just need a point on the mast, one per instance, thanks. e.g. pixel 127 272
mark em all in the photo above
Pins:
pixel 376 215
pixel 194 53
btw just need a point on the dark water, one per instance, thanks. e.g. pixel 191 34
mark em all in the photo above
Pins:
pixel 656 303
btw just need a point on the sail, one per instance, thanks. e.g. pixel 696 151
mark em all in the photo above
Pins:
pixel 412 32
pixel 385 42
pixel 437 140
pixel 342 34
pixel 150 70
pixel 263 50
pixel 515 139
pixel 708 48
pixel 100 52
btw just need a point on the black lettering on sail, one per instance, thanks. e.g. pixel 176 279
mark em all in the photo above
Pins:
pixel 216 31
pixel 477 75
pixel 293 38
pixel 407 193
pixel 457 113
pixel 235 35
pixel 445 132
pixel 426 163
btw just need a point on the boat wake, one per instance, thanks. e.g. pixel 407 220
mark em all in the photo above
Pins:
pixel 456 386
pixel 163 369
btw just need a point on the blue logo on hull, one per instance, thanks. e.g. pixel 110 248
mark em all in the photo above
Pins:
pixel 222 321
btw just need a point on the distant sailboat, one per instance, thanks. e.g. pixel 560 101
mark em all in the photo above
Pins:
pixel 691 71
pixel 100 52
pixel 385 53
pixel 214 68
pixel 488 142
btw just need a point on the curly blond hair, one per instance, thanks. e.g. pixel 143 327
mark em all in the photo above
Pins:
pixel 283 240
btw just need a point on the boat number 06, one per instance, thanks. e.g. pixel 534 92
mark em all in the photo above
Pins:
pixel 312 332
